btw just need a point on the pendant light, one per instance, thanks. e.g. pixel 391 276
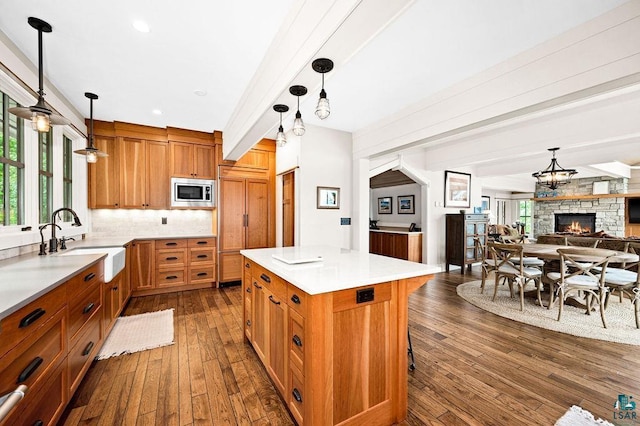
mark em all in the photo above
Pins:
pixel 280 139
pixel 91 151
pixel 298 124
pixel 554 175
pixel 323 66
pixel 41 117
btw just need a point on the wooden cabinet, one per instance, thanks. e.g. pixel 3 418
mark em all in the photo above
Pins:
pixel 104 175
pixel 114 300
pixel 407 246
pixel 144 174
pixel 192 160
pixel 142 265
pixel 461 229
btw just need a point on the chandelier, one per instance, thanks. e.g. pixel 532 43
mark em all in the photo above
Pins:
pixel 554 175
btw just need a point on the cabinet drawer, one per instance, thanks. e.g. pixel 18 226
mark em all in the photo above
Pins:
pixel 171 244
pixel 201 242
pixel 82 310
pixel 83 352
pixel 202 274
pixel 170 278
pixel 80 283
pixel 31 362
pixel 297 299
pixel 23 323
pixel 296 396
pixel 170 258
pixel 348 299
pixel 273 282
pixel 204 255
pixel 297 343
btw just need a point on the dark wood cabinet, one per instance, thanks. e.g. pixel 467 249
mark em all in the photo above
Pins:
pixel 461 229
pixel 406 246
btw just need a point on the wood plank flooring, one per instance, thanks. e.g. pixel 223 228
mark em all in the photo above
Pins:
pixel 473 368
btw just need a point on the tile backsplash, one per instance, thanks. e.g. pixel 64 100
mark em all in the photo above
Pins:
pixel 148 223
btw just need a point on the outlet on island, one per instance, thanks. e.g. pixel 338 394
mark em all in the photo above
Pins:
pixel 164 220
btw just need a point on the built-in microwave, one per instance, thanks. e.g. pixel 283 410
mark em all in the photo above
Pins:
pixel 192 192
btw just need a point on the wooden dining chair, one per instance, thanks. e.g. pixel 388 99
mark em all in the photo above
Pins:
pixel 514 272
pixel 487 265
pixel 626 281
pixel 583 271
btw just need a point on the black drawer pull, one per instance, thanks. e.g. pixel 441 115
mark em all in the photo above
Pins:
pixel 171 258
pixel 201 242
pixel 202 274
pixel 87 349
pixel 295 299
pixel 31 318
pixel 248 289
pixel 88 308
pixel 297 341
pixel 171 244
pixel 273 300
pixel 259 287
pixel 265 278
pixel 89 277
pixel 115 288
pixel 247 265
pixel 28 371
pixel 296 394
pixel 248 323
pixel 202 256
pixel 172 277
pixel 38 423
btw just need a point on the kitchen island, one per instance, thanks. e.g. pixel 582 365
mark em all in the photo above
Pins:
pixel 330 327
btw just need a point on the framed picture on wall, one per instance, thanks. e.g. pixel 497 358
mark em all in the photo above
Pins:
pixel 384 205
pixel 457 189
pixel 406 204
pixel 486 203
pixel 328 198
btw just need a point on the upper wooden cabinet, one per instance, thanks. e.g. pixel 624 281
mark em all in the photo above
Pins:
pixel 104 176
pixel 144 178
pixel 191 160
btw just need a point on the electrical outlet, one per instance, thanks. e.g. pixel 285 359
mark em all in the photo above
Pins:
pixel 164 220
pixel 345 221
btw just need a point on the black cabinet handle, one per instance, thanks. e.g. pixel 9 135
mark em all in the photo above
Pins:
pixel 201 242
pixel 115 288
pixel 89 277
pixel 202 256
pixel 297 341
pixel 273 300
pixel 259 287
pixel 29 370
pixel 171 244
pixel 296 394
pixel 248 323
pixel 172 277
pixel 265 278
pixel 202 274
pixel 247 265
pixel 88 308
pixel 248 289
pixel 31 318
pixel 87 349
pixel 171 258
pixel 295 299
pixel 38 423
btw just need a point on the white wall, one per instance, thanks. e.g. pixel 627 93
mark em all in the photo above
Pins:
pixel 396 219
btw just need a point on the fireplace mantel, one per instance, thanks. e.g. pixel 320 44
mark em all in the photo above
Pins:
pixel 586 197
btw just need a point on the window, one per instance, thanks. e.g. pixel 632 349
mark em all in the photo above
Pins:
pixel 525 213
pixel 67 180
pixel 45 175
pixel 11 164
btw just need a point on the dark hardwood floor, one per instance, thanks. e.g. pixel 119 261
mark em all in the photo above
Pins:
pixel 473 367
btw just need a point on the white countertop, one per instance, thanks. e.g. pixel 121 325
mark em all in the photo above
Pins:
pixel 25 278
pixel 340 269
pixel 389 231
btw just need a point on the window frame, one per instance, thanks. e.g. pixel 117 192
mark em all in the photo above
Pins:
pixel 7 163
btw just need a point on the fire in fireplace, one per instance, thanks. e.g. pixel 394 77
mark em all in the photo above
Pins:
pixel 575 222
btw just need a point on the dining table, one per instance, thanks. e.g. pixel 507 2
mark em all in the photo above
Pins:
pixel 550 252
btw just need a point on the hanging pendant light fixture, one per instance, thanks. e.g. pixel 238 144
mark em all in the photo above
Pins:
pixel 41 117
pixel 323 66
pixel 92 153
pixel 554 175
pixel 280 139
pixel 298 124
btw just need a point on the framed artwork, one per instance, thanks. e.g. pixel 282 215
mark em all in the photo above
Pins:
pixel 328 198
pixel 385 206
pixel 406 204
pixel 457 189
pixel 486 203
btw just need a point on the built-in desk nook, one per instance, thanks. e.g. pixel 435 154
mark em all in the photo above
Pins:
pixel 330 327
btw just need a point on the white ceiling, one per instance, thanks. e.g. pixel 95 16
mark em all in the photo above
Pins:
pixel 218 47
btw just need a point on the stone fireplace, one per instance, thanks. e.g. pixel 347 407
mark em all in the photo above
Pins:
pixel 575 222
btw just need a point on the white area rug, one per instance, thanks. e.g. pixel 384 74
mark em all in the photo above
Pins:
pixel 577 416
pixel 621 325
pixel 137 333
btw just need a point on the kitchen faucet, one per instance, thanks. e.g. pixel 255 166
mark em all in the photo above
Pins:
pixel 53 242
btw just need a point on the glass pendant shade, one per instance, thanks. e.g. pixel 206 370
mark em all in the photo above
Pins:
pixel 554 175
pixel 281 140
pixel 298 125
pixel 92 157
pixel 322 66
pixel 40 122
pixel 323 110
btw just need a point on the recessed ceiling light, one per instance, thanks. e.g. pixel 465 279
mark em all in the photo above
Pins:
pixel 157 112
pixel 200 92
pixel 141 26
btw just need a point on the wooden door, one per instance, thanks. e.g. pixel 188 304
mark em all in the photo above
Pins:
pixel 104 176
pixel 257 211
pixel 157 175
pixel 181 159
pixel 203 162
pixel 231 214
pixel 288 209
pixel 132 174
pixel 143 265
pixel 278 341
pixel 126 275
